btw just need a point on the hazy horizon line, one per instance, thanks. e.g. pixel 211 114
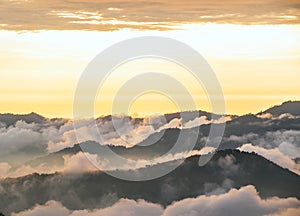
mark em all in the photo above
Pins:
pixel 136 116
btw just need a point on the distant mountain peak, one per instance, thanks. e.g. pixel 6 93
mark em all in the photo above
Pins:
pixel 292 107
pixel 11 119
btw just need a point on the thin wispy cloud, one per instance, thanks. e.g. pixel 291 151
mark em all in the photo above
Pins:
pixel 142 15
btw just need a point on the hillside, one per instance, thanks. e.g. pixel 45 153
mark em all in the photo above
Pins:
pixel 227 169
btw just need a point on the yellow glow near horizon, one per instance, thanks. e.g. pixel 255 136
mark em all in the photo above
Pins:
pixel 258 66
pixel 161 105
pixel 141 106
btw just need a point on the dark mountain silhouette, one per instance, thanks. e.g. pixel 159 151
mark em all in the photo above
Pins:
pixel 97 189
pixel 110 117
pixel 189 115
pixel 11 119
pixel 292 107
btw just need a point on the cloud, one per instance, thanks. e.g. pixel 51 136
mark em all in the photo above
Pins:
pixel 51 208
pixel 228 165
pixel 174 123
pixel 287 141
pixel 124 206
pixel 73 164
pixel 23 170
pixel 287 212
pixel 85 162
pixel 155 14
pixel 244 201
pixel 118 131
pixel 79 163
pixel 282 116
pixel 21 142
pixel 216 189
pixel 127 208
pixel 35 139
pixel 198 121
pixel 274 155
pixel 289 149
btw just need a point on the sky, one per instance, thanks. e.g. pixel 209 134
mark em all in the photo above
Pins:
pixel 253 47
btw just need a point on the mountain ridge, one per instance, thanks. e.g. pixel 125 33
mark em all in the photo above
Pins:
pixel 188 180
pixel 291 107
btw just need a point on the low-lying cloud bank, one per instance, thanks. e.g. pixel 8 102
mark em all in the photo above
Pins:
pixel 282 116
pixel 287 141
pixel 81 162
pixel 85 162
pixel 23 141
pixel 244 201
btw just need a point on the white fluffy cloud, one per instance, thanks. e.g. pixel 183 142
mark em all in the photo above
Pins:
pixel 274 155
pixel 287 212
pixel 35 139
pixel 79 163
pixel 124 207
pixel 22 138
pixel 244 201
pixel 286 141
pixel 196 122
pixel 290 149
pixel 51 208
